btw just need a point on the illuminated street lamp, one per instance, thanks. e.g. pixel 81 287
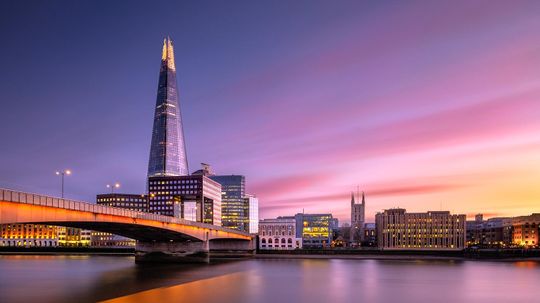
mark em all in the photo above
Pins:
pixel 113 186
pixel 63 173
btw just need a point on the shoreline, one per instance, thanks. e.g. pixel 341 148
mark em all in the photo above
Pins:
pixel 396 257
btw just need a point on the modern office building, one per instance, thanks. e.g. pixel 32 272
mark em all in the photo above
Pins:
pixel 167 150
pixel 195 198
pixel 278 234
pixel 234 209
pixel 434 230
pixel 126 201
pixel 315 230
pixel 525 230
pixel 28 235
pixel 358 214
pixel 239 210
pixel 252 203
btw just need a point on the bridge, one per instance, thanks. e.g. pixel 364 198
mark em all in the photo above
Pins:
pixel 159 238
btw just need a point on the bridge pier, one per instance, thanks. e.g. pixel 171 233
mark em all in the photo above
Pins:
pixel 172 252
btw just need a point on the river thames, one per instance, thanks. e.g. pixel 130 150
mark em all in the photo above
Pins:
pixel 117 279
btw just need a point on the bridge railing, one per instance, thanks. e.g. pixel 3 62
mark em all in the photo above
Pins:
pixel 35 199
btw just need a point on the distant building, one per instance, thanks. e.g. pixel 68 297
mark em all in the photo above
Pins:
pixel 434 230
pixel 239 210
pixel 315 230
pixel 126 201
pixel 278 234
pixel 525 230
pixel 491 233
pixel 358 213
pixel 234 209
pixel 74 237
pixel 195 197
pixel 370 235
pixel 28 235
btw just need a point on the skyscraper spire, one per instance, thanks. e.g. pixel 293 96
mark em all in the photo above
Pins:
pixel 167 150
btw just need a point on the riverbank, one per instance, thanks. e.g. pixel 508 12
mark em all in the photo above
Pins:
pixel 66 251
pixel 390 257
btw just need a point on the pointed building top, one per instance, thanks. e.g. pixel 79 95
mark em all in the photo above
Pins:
pixel 167 53
pixel 352 198
pixel 363 198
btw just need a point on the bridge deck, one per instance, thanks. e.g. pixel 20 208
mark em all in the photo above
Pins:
pixel 47 201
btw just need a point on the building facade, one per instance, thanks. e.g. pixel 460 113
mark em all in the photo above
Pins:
pixel 278 234
pixel 491 233
pixel 194 197
pixel 167 150
pixel 126 201
pixel 525 231
pixel 434 230
pixel 315 230
pixel 28 235
pixel 358 215
pixel 234 209
pixel 74 237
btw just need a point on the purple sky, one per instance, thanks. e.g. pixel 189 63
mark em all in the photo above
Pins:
pixel 424 105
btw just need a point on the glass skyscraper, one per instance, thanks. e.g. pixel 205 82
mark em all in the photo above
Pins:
pixel 168 150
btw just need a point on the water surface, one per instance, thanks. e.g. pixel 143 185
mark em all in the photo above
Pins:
pixel 118 279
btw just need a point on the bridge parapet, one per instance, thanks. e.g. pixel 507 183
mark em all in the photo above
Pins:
pixel 42 200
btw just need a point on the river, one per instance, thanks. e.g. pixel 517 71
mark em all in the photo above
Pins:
pixel 25 278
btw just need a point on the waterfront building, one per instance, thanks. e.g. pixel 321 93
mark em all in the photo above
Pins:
pixel 126 201
pixel 491 233
pixel 239 210
pixel 370 235
pixel 433 230
pixel 194 197
pixel 356 234
pixel 28 235
pixel 167 150
pixel 74 237
pixel 278 234
pixel 525 230
pixel 315 230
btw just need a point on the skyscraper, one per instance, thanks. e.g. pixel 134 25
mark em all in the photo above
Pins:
pixel 168 150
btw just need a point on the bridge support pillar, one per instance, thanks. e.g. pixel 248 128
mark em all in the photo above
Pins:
pixel 172 252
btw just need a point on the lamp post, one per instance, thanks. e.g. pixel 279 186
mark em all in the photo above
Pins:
pixel 62 174
pixel 113 186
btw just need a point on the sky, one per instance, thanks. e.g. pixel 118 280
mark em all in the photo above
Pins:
pixel 424 105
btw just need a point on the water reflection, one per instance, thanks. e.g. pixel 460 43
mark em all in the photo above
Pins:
pixel 118 279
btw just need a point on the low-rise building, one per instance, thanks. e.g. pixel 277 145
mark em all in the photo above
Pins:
pixel 525 230
pixel 433 230
pixel 278 234
pixel 491 233
pixel 28 235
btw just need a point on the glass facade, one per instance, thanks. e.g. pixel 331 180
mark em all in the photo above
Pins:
pixel 194 198
pixel 167 151
pixel 237 209
pixel 315 229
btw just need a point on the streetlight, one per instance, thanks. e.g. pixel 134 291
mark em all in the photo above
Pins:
pixel 113 186
pixel 63 173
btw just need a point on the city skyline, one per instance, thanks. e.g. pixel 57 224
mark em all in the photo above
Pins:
pixel 419 119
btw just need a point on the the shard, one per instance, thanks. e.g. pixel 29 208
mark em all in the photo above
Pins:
pixel 168 150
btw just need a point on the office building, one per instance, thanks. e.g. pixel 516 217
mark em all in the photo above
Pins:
pixel 278 234
pixel 194 197
pixel 167 150
pixel 74 237
pixel 315 230
pixel 239 210
pixel 126 201
pixel 434 230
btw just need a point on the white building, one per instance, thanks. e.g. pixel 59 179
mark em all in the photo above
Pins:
pixel 278 234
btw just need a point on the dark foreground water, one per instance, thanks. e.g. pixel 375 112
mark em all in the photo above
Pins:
pixel 118 279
